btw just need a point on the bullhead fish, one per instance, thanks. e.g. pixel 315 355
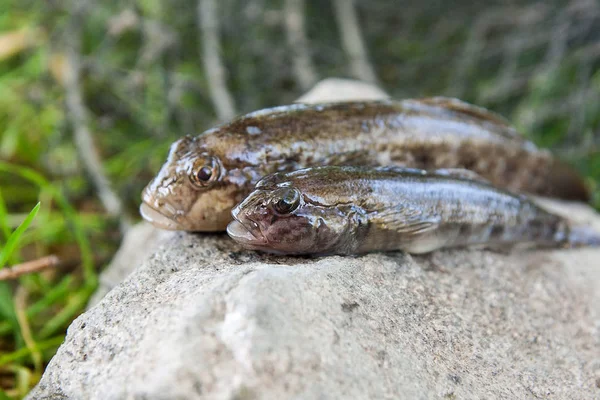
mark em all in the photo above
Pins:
pixel 205 176
pixel 352 210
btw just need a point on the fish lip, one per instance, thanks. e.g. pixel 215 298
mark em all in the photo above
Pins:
pixel 158 219
pixel 240 232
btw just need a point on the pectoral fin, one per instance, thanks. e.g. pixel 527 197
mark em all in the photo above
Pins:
pixel 408 221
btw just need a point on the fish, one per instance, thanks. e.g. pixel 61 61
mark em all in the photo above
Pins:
pixel 205 176
pixel 352 210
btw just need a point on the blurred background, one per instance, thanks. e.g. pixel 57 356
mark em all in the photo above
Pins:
pixel 93 92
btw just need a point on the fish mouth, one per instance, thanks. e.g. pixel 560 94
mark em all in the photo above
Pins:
pixel 158 219
pixel 244 235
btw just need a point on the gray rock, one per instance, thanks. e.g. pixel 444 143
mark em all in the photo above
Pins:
pixel 336 89
pixel 203 319
pixel 139 243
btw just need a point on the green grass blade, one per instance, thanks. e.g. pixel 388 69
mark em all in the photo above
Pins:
pixel 66 315
pixel 7 312
pixel 7 309
pixel 23 380
pixel 13 240
pixel 55 294
pixel 58 292
pixel 91 278
pixel 4 218
pixel 25 352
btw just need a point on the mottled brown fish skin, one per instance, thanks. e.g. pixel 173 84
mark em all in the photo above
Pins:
pixel 427 133
pixel 352 210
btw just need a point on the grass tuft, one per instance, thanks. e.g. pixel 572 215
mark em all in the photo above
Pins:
pixel 13 241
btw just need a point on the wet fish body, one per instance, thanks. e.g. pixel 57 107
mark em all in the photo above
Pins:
pixel 351 210
pixel 206 176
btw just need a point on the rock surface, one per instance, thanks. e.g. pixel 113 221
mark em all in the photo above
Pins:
pixel 336 89
pixel 139 243
pixel 203 319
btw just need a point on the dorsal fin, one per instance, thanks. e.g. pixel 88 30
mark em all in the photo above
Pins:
pixel 461 173
pixel 454 104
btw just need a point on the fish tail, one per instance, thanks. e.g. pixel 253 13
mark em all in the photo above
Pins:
pixel 565 183
pixel 582 236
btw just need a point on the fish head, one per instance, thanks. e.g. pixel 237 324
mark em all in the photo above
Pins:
pixel 284 220
pixel 188 192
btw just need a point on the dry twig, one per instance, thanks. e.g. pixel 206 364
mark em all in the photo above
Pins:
pixel 78 115
pixel 352 41
pixel 28 267
pixel 208 25
pixel 298 42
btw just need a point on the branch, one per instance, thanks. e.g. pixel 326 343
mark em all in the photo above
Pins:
pixel 559 108
pixel 558 43
pixel 352 41
pixel 472 50
pixel 78 115
pixel 208 24
pixel 28 267
pixel 477 47
pixel 577 122
pixel 297 40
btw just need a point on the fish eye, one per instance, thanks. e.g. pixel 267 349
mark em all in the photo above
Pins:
pixel 205 172
pixel 286 200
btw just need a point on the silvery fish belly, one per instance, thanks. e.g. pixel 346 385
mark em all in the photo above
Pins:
pixel 204 177
pixel 351 210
